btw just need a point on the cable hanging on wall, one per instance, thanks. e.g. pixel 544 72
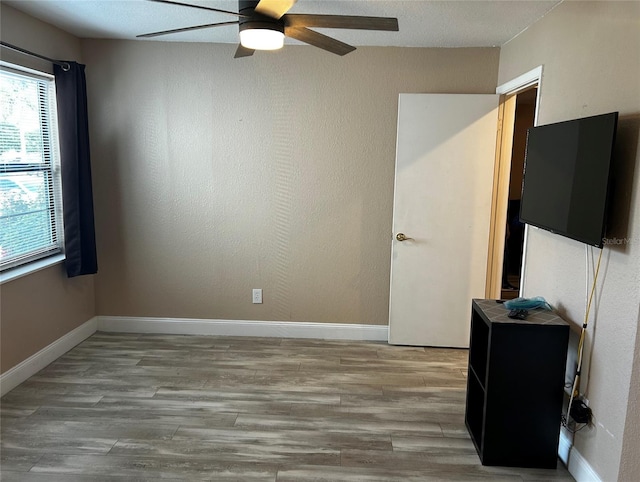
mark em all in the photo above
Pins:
pixel 581 413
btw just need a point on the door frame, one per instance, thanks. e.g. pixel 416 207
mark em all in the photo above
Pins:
pixel 502 170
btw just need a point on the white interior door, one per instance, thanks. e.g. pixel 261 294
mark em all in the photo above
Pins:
pixel 444 178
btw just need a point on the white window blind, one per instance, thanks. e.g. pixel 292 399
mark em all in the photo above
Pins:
pixel 30 198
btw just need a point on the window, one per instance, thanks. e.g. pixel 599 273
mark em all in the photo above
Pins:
pixel 30 199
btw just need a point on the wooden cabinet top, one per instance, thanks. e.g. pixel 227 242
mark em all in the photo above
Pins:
pixel 493 312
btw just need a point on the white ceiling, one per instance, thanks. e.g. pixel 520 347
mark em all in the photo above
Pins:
pixel 423 23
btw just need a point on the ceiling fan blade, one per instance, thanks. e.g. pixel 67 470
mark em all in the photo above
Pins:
pixel 274 8
pixel 170 2
pixel 186 29
pixel 342 21
pixel 243 52
pixel 318 40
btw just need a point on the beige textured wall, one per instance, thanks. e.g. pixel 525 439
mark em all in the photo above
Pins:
pixel 215 176
pixel 630 463
pixel 591 57
pixel 40 308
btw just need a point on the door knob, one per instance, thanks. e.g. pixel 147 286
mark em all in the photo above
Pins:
pixel 402 237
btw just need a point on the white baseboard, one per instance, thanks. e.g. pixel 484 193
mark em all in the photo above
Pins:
pixel 577 465
pixel 564 447
pixel 36 362
pixel 277 329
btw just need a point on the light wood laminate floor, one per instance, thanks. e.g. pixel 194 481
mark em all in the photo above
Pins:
pixel 124 407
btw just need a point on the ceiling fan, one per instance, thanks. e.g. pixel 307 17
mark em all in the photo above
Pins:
pixel 263 25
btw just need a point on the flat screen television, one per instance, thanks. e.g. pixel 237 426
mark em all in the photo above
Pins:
pixel 567 175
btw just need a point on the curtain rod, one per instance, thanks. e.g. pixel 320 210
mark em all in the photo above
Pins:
pixel 65 65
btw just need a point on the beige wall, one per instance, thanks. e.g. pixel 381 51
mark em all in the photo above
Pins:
pixel 215 176
pixel 630 463
pixel 38 309
pixel 591 57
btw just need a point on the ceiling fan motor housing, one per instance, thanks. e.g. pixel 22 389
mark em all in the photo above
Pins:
pixel 254 20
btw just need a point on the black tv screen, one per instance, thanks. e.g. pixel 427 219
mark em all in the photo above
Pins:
pixel 566 177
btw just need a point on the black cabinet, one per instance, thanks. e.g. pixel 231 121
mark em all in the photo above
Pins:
pixel 515 385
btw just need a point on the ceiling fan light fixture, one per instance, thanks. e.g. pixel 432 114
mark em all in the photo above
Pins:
pixel 263 25
pixel 261 39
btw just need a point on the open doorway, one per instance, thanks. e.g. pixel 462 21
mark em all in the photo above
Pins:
pixel 517 112
pixel 525 109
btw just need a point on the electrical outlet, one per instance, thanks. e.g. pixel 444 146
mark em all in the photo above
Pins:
pixel 257 295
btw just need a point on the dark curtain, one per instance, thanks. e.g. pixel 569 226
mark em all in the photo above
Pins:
pixel 75 162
